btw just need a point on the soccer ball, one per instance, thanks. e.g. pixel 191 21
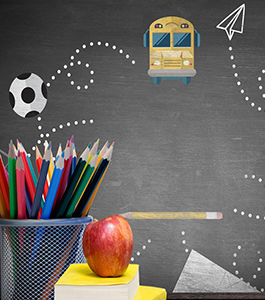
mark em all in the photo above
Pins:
pixel 28 95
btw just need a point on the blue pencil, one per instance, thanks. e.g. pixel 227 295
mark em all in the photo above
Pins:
pixel 56 177
pixel 41 182
pixel 59 153
pixel 28 201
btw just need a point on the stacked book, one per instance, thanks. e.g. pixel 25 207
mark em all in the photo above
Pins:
pixel 79 282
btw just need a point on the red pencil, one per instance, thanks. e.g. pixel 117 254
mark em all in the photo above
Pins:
pixel 64 179
pixel 29 181
pixel 4 189
pixel 21 202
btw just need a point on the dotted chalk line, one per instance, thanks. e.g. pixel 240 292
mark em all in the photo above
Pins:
pixel 248 214
pixel 239 83
pixel 144 247
pixel 253 177
pixel 75 61
pixel 60 127
pixel 236 254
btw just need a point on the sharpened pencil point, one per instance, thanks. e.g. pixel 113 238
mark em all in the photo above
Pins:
pixel 72 138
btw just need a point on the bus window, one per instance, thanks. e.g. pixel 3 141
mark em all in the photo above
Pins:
pixel 161 39
pixel 181 40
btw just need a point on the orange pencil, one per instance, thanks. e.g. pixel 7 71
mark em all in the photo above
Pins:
pixel 4 188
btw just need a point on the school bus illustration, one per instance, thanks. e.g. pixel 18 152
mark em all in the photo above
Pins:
pixel 171 42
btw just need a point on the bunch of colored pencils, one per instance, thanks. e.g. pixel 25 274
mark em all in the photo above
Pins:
pixel 65 186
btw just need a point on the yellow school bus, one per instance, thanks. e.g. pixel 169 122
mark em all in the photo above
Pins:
pixel 171 42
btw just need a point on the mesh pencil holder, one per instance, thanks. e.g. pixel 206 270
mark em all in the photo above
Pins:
pixel 35 253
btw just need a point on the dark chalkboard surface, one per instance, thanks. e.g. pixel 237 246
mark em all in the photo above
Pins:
pixel 178 147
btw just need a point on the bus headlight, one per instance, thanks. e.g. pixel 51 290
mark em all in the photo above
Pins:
pixel 156 62
pixel 186 62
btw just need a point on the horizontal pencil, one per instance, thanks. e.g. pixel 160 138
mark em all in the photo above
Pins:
pixel 173 215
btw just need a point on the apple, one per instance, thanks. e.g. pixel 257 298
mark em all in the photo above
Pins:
pixel 108 246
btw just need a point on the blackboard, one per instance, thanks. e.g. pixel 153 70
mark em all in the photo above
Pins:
pixel 178 147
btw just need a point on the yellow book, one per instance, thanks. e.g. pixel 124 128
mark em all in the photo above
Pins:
pixel 80 282
pixel 150 293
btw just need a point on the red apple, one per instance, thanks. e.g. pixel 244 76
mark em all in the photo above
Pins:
pixel 108 246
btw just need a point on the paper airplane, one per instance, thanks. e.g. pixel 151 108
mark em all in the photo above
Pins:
pixel 233 22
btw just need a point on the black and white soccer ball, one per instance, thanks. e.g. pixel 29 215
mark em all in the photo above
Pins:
pixel 28 95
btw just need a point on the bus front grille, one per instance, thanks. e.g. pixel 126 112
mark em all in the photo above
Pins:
pixel 172 63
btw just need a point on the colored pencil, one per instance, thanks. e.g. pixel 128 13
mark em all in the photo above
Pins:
pixel 4 187
pixel 3 210
pixel 12 181
pixel 72 184
pixel 41 182
pixel 38 163
pixel 7 175
pixel 56 176
pixel 173 215
pixel 93 151
pixel 38 159
pixel 29 180
pixel 80 189
pixel 59 152
pixel 28 201
pixel 21 193
pixel 51 168
pixel 74 162
pixel 86 196
pixel 64 178
pixel 101 154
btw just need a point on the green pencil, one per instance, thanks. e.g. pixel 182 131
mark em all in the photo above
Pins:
pixel 75 178
pixel 12 181
pixel 81 187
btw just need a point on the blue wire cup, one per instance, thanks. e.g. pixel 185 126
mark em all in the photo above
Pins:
pixel 35 254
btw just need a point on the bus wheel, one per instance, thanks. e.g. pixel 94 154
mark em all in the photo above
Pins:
pixel 186 80
pixel 156 80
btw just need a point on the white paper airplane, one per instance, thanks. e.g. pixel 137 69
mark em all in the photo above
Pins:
pixel 232 22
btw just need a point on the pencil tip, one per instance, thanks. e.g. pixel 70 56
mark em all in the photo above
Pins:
pixel 72 138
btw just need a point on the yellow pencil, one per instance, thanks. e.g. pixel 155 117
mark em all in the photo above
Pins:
pixel 174 215
pixel 51 168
